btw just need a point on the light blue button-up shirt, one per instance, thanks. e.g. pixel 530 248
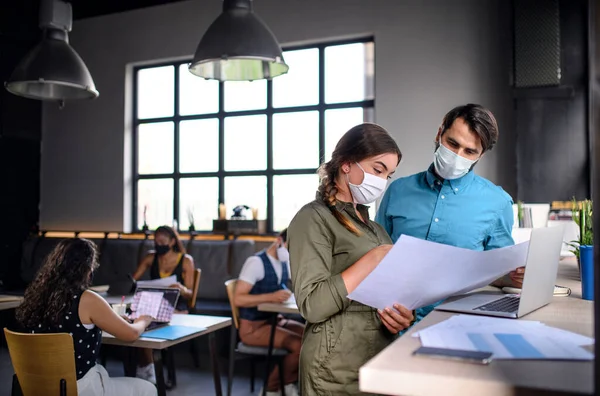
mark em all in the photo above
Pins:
pixel 469 212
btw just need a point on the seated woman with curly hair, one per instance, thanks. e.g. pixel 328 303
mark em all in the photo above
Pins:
pixel 58 301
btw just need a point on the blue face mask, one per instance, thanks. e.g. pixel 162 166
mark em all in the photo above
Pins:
pixel 449 165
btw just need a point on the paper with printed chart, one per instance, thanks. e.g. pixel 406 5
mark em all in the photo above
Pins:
pixel 506 338
pixel 416 273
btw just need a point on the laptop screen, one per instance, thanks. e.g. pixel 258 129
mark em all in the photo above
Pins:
pixel 156 302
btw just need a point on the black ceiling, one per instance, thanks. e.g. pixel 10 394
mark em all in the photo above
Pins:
pixel 91 8
pixel 19 17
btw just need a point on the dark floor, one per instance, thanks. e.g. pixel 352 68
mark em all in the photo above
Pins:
pixel 190 380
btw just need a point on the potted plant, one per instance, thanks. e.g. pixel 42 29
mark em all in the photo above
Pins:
pixel 190 215
pixel 582 216
pixel 145 228
pixel 520 213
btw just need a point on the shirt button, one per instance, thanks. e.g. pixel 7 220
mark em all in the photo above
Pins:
pixel 443 196
pixel 437 182
pixel 436 220
pixel 456 189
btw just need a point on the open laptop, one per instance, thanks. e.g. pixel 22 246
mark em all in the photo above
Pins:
pixel 541 266
pixel 162 300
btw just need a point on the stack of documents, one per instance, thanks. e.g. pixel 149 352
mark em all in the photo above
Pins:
pixel 416 273
pixel 160 282
pixel 506 338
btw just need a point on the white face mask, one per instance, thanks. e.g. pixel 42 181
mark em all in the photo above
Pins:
pixel 369 190
pixel 450 165
pixel 282 254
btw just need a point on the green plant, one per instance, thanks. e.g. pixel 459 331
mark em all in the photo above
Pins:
pixel 190 214
pixel 520 213
pixel 583 217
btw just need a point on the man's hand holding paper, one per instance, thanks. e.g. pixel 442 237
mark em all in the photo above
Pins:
pixel 416 273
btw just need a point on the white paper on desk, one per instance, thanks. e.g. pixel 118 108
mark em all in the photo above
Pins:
pixel 479 324
pixel 291 299
pixel 416 273
pixel 161 282
pixel 507 345
pixel 486 324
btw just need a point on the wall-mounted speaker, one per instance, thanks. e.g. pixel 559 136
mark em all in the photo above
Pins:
pixel 536 43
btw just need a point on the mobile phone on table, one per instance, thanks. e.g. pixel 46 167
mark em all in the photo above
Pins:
pixel 455 354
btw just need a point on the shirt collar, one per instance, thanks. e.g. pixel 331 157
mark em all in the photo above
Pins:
pixel 457 185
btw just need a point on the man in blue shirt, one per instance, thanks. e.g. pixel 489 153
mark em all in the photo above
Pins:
pixel 449 203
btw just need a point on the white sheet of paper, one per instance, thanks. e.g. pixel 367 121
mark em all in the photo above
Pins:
pixel 161 282
pixel 291 299
pixel 486 324
pixel 416 273
pixel 479 324
pixel 507 345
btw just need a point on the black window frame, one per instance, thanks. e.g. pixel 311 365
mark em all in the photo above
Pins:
pixel 269 111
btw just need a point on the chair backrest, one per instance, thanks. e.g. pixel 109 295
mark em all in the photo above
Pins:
pixel 192 300
pixel 41 361
pixel 235 312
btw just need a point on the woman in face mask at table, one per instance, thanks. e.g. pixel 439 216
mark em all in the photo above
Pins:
pixel 168 258
pixel 334 246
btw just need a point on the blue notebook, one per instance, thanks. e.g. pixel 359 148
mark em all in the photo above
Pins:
pixel 172 332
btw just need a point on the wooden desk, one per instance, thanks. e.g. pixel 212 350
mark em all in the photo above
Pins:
pixel 395 371
pixel 9 302
pixel 116 299
pixel 211 323
pixel 288 308
pixel 274 308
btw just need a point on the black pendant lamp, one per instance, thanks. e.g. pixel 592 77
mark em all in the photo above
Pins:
pixel 53 70
pixel 238 46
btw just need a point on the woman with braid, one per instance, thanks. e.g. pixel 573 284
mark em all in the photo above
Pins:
pixel 333 246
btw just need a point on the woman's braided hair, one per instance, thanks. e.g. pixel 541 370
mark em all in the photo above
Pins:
pixel 360 142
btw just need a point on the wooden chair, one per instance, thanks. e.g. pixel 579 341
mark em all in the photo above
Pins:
pixel 241 350
pixel 44 364
pixel 192 310
pixel 192 300
pixel 167 354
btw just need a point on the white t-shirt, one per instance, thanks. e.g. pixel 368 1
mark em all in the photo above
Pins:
pixel 254 270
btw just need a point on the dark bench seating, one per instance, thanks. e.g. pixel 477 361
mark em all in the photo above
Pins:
pixel 219 261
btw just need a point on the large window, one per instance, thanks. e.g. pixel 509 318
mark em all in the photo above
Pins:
pixel 199 143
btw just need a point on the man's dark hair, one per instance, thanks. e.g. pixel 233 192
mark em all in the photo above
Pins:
pixel 479 119
pixel 283 235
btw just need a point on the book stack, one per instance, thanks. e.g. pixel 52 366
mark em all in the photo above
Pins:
pixel 561 210
pixel 525 219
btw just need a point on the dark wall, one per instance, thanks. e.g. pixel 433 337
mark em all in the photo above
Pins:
pixel 553 161
pixel 20 134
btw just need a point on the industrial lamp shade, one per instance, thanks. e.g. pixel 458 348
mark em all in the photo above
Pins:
pixel 52 71
pixel 238 46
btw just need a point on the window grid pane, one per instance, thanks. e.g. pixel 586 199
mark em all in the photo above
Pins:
pixel 199 145
pixel 296 140
pixel 155 148
pixel 155 200
pixel 197 95
pixel 155 92
pixel 246 143
pixel 198 202
pixel 295 136
pixel 292 192
pixel 246 190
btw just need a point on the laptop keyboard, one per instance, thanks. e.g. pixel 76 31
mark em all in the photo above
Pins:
pixel 504 304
